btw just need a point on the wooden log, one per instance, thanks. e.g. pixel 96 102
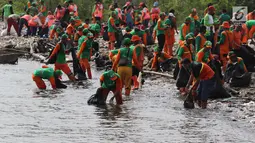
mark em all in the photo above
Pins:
pixel 51 45
pixel 158 73
pixel 15 50
pixel 231 90
pixel 37 56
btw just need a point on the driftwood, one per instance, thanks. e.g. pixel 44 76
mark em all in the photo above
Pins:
pixel 37 56
pixel 15 50
pixel 231 90
pixel 158 73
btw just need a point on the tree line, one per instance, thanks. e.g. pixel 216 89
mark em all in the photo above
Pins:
pixel 182 7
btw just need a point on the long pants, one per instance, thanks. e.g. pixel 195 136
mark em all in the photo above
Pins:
pixel 205 88
pixel 146 23
pixel 33 30
pixel 43 31
pixel 161 41
pixel 168 48
pixel 41 84
pixel 11 22
pixel 125 75
pixel 224 61
pixel 105 92
pixel 112 40
pixel 130 25
pixel 86 67
pixel 65 68
pixel 154 22
pixel 22 22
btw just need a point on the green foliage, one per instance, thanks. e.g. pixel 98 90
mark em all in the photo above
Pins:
pixel 182 7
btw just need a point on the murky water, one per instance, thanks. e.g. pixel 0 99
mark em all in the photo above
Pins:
pixel 154 114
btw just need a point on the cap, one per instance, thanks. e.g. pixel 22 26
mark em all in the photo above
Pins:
pixel 225 24
pixel 112 75
pixel 171 14
pixel 188 19
pixel 85 31
pixel 128 29
pixel 155 4
pixel 64 36
pixel 33 3
pixel 189 36
pixel 162 14
pixel 127 3
pixel 126 41
pixel 71 20
pixel 58 72
pixel 208 44
pixel 141 4
pixel 211 8
pixel 231 54
pixel 90 35
pixel 135 38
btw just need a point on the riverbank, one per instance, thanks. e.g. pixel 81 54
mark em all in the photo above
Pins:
pixel 153 114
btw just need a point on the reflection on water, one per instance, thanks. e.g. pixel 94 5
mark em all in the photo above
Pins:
pixel 153 114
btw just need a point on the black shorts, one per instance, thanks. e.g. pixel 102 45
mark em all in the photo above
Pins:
pixel 135 71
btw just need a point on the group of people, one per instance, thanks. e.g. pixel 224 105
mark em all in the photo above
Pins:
pixel 207 47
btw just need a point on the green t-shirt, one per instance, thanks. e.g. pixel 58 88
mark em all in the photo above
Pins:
pixel 126 53
pixel 86 52
pixel 44 73
pixel 250 23
pixel 81 40
pixel 162 25
pixel 108 83
pixel 7 10
pixel 61 56
pixel 110 27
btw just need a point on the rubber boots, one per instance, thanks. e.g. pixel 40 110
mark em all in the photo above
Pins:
pixel 136 83
pixel 127 92
pixel 89 73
